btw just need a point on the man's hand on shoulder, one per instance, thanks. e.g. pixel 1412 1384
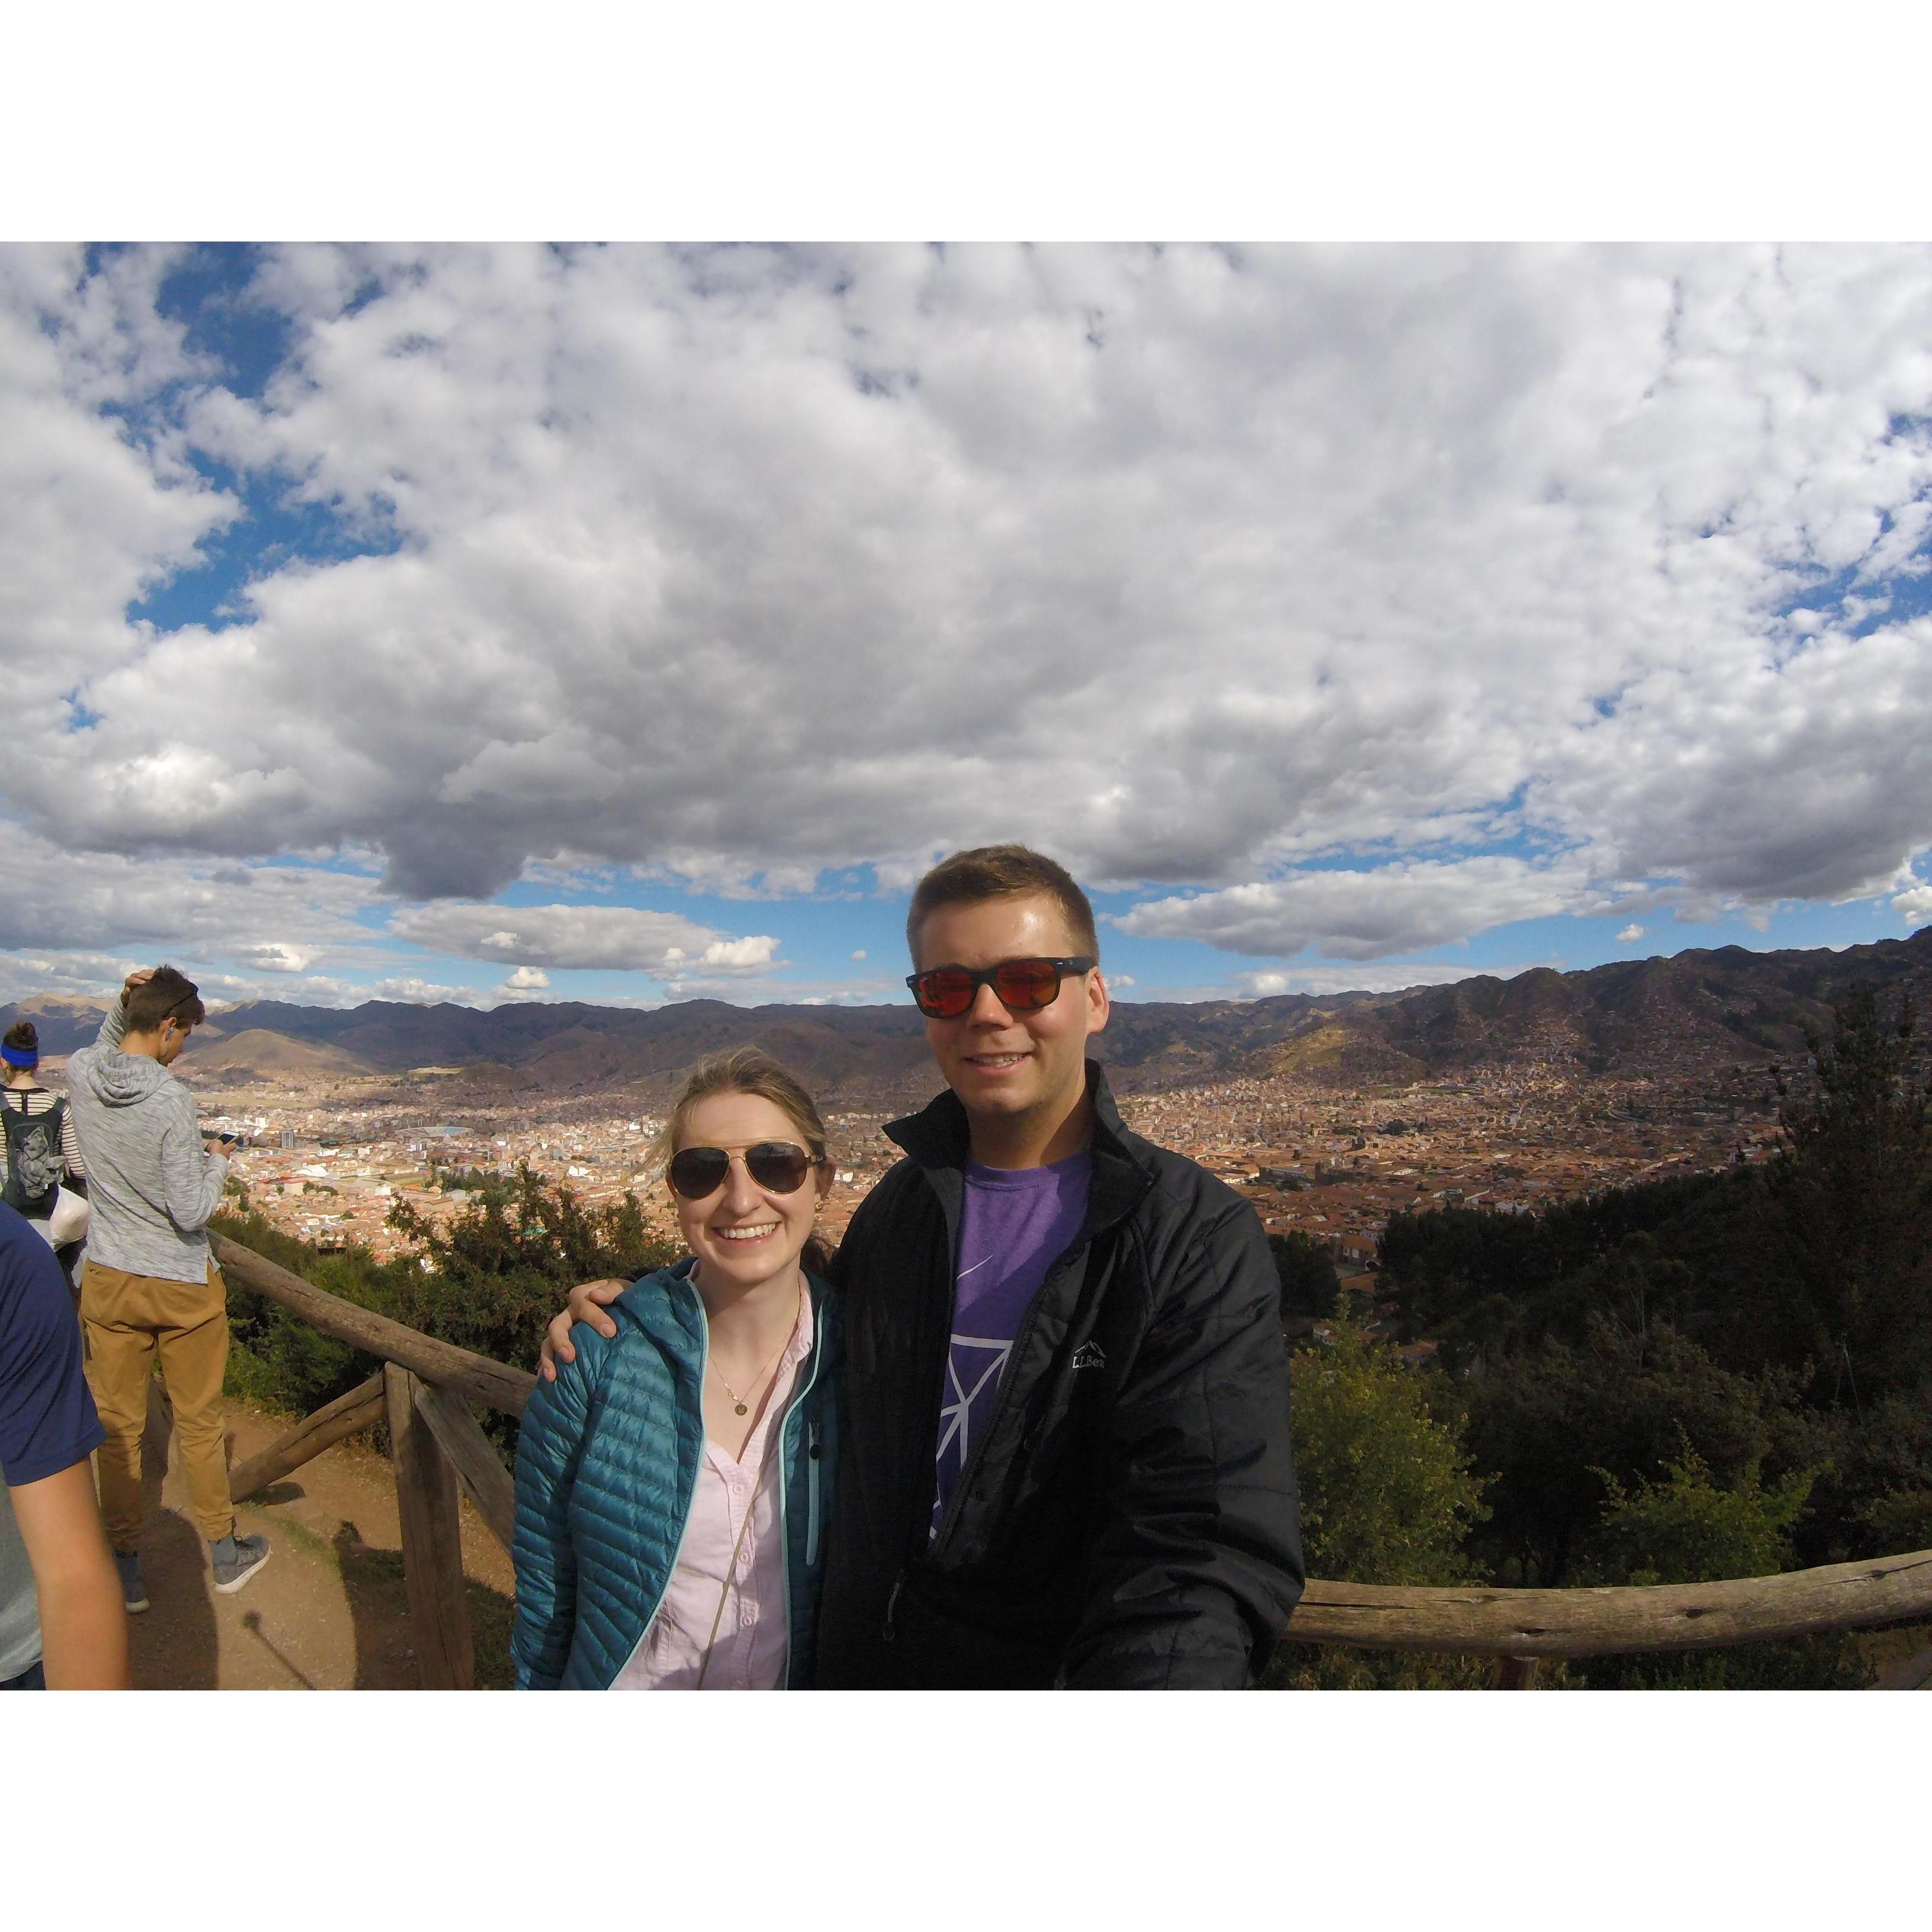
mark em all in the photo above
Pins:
pixel 588 1301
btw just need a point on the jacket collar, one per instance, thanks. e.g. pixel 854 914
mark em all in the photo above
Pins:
pixel 938 1138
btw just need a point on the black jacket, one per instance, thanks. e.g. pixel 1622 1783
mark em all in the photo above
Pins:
pixel 1129 1518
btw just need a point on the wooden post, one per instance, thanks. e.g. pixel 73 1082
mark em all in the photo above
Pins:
pixel 1516 1673
pixel 432 1542
pixel 488 1484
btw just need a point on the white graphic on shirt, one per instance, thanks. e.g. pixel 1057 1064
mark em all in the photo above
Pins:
pixel 955 1413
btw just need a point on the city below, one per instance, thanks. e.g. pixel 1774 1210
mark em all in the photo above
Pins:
pixel 1329 1114
pixel 327 1160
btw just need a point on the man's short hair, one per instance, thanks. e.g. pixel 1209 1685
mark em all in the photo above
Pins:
pixel 1001 872
pixel 169 995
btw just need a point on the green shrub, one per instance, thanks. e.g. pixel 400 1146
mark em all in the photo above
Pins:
pixel 488 1280
pixel 1387 1497
pixel 1687 1529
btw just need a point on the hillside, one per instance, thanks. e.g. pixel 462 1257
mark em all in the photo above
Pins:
pixel 1633 1017
pixel 258 1053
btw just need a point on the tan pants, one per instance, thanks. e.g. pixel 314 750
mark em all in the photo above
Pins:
pixel 132 1321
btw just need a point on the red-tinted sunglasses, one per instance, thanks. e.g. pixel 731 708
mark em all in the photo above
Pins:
pixel 1020 985
pixel 777 1166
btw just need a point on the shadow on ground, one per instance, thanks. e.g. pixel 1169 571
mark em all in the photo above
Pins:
pixel 372 1579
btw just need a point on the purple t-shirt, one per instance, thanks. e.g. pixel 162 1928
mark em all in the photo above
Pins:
pixel 1014 1224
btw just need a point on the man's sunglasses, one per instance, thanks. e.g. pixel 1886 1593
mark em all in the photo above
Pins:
pixel 1020 985
pixel 777 1166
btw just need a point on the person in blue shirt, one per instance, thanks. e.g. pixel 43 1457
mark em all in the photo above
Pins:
pixel 62 1624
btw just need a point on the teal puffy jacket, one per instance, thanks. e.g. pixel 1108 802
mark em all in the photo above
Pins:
pixel 607 1468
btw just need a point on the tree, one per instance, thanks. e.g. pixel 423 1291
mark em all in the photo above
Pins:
pixel 1850 1206
pixel 1686 1527
pixel 488 1278
pixel 498 1269
pixel 1306 1269
pixel 1876 1499
pixel 1387 1497
pixel 1549 1422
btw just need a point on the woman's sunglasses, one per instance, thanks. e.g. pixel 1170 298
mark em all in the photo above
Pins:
pixel 1020 985
pixel 777 1166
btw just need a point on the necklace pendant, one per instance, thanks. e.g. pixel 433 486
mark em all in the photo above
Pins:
pixel 742 1410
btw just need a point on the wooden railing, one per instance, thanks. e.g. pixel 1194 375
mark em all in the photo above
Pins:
pixel 423 1393
pixel 425 1387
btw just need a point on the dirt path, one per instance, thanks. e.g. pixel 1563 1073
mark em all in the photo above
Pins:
pixel 327 1611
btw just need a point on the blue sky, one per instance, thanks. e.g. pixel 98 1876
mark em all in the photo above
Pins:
pixel 636 623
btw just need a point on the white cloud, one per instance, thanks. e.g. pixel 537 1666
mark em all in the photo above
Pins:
pixel 860 954
pixel 1399 907
pixel 1256 558
pixel 1630 934
pixel 527 979
pixel 158 905
pixel 92 518
pixel 742 990
pixel 755 951
pixel 277 956
pixel 1321 980
pixel 624 938
pixel 416 992
pixel 1914 906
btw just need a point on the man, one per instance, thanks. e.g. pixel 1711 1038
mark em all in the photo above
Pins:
pixel 149 1293
pixel 1067 1456
pixel 61 1626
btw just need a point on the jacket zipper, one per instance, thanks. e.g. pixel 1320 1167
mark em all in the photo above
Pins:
pixel 690 1500
pixel 811 1497
pixel 795 1408
pixel 1003 1397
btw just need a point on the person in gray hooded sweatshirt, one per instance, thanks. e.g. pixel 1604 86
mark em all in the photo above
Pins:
pixel 149 1292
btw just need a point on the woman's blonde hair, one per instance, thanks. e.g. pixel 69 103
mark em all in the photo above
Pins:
pixel 745 1069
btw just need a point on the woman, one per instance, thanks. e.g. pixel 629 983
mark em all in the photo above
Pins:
pixel 672 1484
pixel 42 1148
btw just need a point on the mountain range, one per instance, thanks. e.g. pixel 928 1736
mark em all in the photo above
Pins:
pixel 1642 1017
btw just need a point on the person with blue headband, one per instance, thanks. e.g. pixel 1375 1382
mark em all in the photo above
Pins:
pixel 43 1149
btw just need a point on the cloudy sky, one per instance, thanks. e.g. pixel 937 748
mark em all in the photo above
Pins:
pixel 636 623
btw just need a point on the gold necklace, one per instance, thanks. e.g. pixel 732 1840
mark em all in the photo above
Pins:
pixel 743 1407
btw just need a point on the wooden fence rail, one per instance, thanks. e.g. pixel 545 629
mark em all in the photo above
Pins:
pixel 362 1407
pixel 496 1384
pixel 425 1387
pixel 1483 1622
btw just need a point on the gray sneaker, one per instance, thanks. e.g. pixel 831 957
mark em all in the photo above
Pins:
pixel 133 1591
pixel 236 1559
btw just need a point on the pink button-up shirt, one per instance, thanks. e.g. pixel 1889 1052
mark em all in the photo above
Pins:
pixel 753 1640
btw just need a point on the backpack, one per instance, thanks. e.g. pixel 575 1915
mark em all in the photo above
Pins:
pixel 35 1163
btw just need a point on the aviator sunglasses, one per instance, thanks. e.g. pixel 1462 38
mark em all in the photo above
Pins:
pixel 777 1166
pixel 1020 985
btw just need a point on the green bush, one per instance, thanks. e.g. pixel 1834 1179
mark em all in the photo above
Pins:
pixel 1686 1529
pixel 488 1280
pixel 1387 1497
pixel 1549 1421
